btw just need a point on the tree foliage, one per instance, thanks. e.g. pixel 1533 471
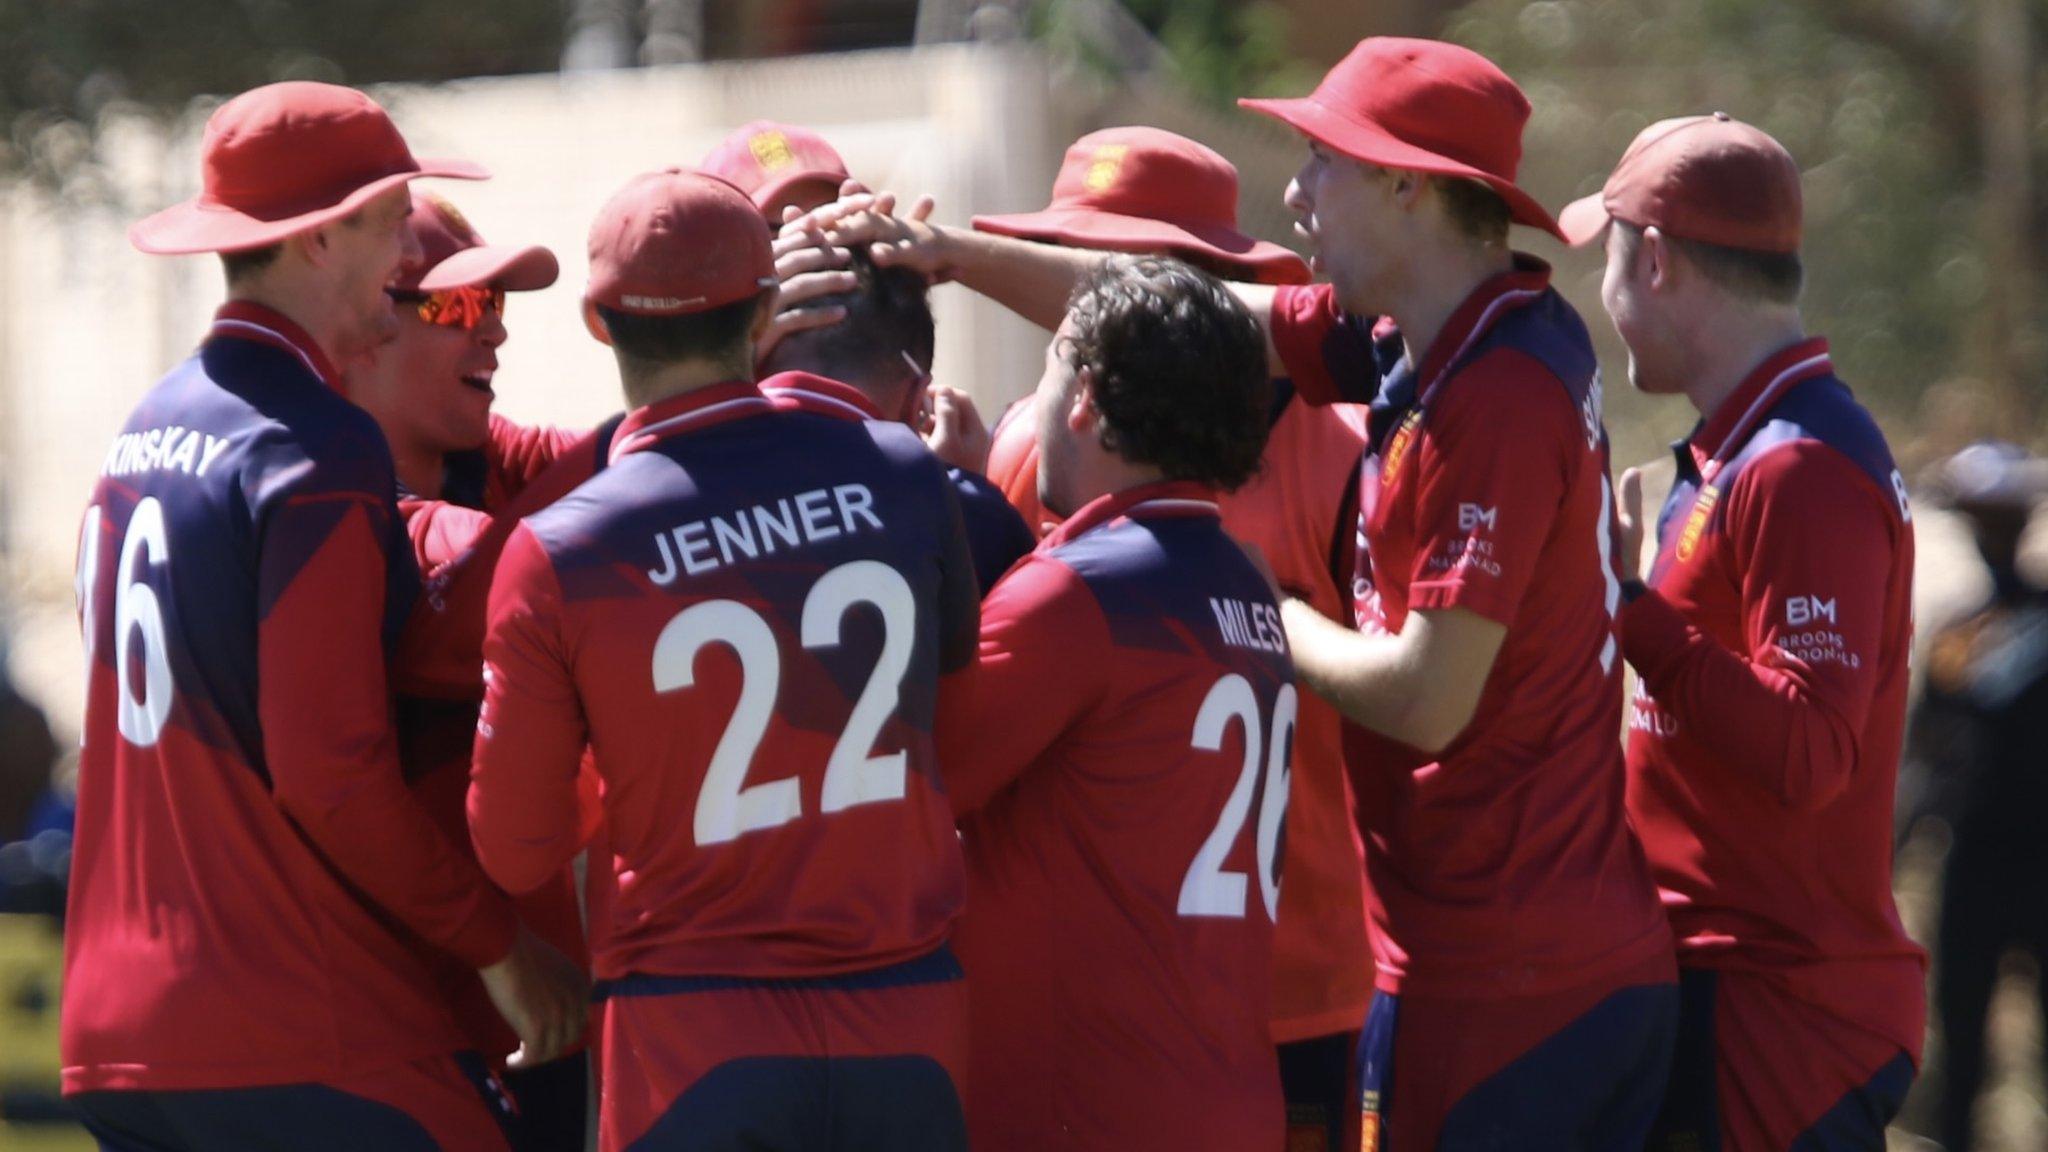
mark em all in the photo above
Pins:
pixel 64 64
pixel 1880 102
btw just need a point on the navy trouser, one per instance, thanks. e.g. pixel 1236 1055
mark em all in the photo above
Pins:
pixel 441 1104
pixel 1581 1071
pixel 1754 1073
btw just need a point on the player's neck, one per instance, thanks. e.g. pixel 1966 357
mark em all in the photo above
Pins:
pixel 295 304
pixel 1728 344
pixel 645 383
pixel 1438 287
pixel 1105 474
pixel 422 471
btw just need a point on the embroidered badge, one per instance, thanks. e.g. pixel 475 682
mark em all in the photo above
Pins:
pixel 1103 169
pixel 1397 448
pixel 771 150
pixel 1696 524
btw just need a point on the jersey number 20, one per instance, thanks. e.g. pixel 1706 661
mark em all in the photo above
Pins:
pixel 727 806
pixel 1209 889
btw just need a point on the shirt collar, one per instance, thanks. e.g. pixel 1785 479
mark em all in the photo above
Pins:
pixel 1720 435
pixel 693 410
pixel 1494 298
pixel 1161 498
pixel 820 394
pixel 261 324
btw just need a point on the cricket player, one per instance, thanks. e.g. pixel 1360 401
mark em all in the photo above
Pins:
pixel 1146 190
pixel 874 322
pixel 1123 830
pixel 756 618
pixel 1770 637
pixel 252 881
pixel 874 364
pixel 458 464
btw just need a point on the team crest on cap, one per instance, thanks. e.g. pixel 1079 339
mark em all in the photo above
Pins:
pixel 771 150
pixel 1397 448
pixel 1104 167
pixel 1696 524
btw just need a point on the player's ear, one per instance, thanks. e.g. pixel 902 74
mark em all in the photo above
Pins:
pixel 1657 257
pixel 764 313
pixel 312 245
pixel 1082 415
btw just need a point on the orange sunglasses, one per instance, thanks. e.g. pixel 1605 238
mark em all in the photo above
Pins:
pixel 463 308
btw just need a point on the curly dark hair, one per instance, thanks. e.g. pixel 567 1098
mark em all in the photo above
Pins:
pixel 1178 367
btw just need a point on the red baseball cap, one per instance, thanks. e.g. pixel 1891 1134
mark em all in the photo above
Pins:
pixel 1712 179
pixel 284 158
pixel 1421 106
pixel 1147 190
pixel 452 255
pixel 764 160
pixel 675 242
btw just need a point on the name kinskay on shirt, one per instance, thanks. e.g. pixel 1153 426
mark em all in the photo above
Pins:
pixel 817 514
pixel 174 448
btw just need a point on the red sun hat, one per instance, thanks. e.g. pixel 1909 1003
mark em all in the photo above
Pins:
pixel 283 159
pixel 764 159
pixel 675 242
pixel 1421 106
pixel 1711 178
pixel 1147 190
pixel 453 255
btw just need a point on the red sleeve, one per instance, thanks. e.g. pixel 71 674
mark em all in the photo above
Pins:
pixel 1814 540
pixel 1043 663
pixel 1493 467
pixel 524 799
pixel 517 453
pixel 1328 356
pixel 440 531
pixel 328 740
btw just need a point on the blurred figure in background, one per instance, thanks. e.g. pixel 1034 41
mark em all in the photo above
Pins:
pixel 32 866
pixel 1975 753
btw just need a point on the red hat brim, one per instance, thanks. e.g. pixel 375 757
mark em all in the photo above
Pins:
pixel 767 193
pixel 527 269
pixel 194 226
pixel 1375 145
pixel 1583 220
pixel 1267 263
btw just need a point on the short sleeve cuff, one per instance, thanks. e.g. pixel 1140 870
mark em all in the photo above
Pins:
pixel 1478 599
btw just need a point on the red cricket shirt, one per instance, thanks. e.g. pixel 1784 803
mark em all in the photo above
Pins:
pixel 1764 743
pixel 1504 866
pixel 251 880
pixel 746 617
pixel 1123 785
pixel 1300 511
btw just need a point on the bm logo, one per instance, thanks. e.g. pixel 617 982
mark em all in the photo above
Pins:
pixel 1801 611
pixel 1473 517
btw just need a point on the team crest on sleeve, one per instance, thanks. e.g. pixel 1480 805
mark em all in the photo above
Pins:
pixel 1397 448
pixel 771 150
pixel 1103 169
pixel 1696 523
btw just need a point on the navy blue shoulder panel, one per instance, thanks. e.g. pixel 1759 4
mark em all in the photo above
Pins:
pixel 1157 580
pixel 1821 409
pixel 1550 331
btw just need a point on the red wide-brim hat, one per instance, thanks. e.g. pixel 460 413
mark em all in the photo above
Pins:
pixel 284 159
pixel 1421 106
